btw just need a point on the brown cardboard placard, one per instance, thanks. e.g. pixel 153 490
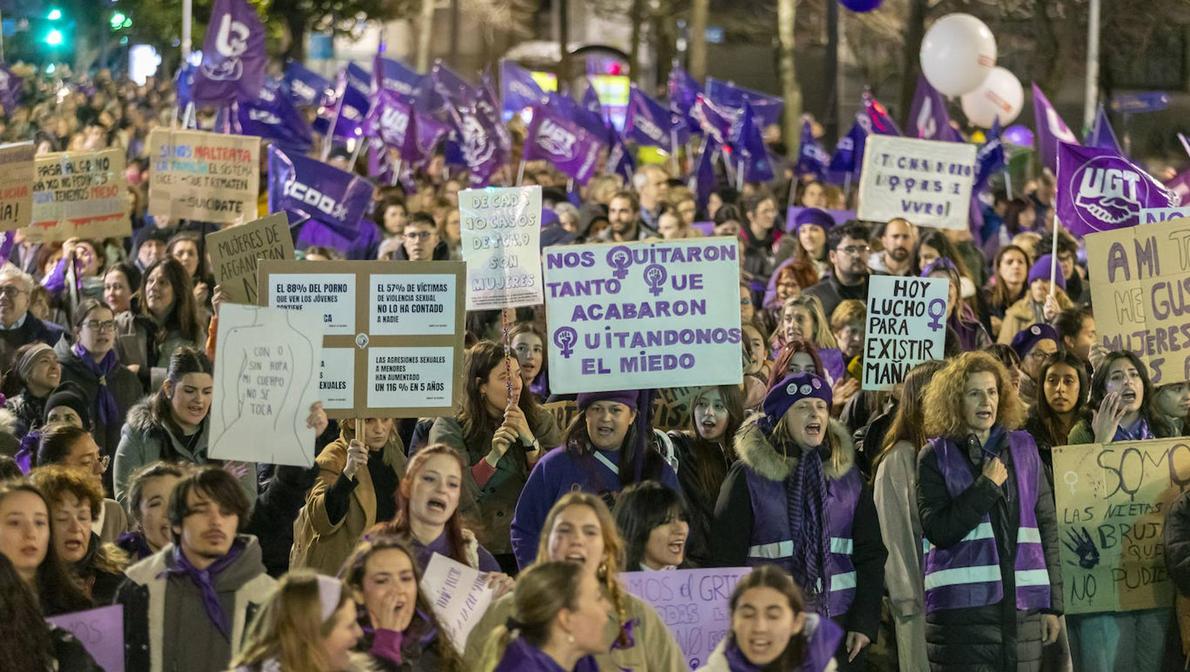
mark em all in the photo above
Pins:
pixel 394 331
pixel 210 177
pixel 16 185
pixel 79 195
pixel 235 250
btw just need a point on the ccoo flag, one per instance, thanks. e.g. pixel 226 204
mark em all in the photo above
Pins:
pixel 233 56
pixel 311 188
pixel 1099 190
pixel 1051 130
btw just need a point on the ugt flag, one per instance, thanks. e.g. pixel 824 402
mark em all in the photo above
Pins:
pixel 563 143
pixel 518 89
pixel 311 188
pixel 1051 130
pixel 306 87
pixel 393 121
pixel 1099 190
pixel 233 56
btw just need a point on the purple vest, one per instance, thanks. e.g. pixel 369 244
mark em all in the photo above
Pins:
pixel 967 574
pixel 772 539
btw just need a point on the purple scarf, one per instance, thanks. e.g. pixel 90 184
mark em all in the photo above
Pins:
pixel 806 502
pixel 109 410
pixel 205 580
pixel 1139 431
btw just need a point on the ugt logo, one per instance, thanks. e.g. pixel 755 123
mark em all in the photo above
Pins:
pixel 1108 191
pixel 231 41
pixel 555 139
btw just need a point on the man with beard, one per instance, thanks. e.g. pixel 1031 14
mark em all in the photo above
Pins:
pixel 623 213
pixel 847 248
pixel 898 238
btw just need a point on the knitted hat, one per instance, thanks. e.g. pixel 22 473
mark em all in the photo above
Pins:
pixel 24 365
pixel 72 396
pixel 786 393
pixel 1025 339
pixel 813 216
pixel 627 397
pixel 1040 270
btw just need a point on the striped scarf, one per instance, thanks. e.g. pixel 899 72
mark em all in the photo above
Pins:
pixel 806 501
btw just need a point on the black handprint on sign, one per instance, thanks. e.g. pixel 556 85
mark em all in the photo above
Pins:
pixel 1082 546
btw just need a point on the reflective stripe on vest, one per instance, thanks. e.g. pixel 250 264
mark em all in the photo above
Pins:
pixel 841 546
pixel 773 551
pixel 845 581
pixel 1032 577
pixel 981 531
pixel 1028 535
pixel 962 575
pixel 607 463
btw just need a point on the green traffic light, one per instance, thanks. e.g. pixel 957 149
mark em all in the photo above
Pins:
pixel 54 37
pixel 117 20
pixel 54 14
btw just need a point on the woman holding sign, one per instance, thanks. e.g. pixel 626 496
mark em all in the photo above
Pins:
pixel 1120 409
pixel 993 586
pixel 796 499
pixel 164 320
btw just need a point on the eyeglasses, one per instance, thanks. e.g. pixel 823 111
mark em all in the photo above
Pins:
pixel 11 291
pixel 418 235
pixel 96 325
pixel 854 250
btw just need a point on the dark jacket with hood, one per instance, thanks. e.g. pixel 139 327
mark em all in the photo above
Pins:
pixel 124 384
pixel 759 261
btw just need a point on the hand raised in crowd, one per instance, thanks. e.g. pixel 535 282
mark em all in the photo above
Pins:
pixel 392 616
pixel 218 299
pixel 1106 420
pixel 357 458
pixel 236 468
pixel 317 419
pixel 995 471
pixel 843 390
pixel 504 437
pixel 514 418
pixel 201 290
pixel 1051 308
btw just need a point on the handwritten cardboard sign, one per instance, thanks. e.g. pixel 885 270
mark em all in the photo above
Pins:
pixel 79 194
pixel 16 185
pixel 694 603
pixel 1151 215
pixel 1140 287
pixel 460 595
pixel 643 315
pixel 1111 505
pixel 266 379
pixel 925 181
pixel 211 177
pixel 501 240
pixel 906 326
pixel 393 344
pixel 100 631
pixel 236 250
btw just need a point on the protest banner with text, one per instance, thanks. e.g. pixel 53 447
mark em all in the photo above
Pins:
pixel 266 380
pixel 236 250
pixel 925 181
pixel 210 177
pixel 459 595
pixel 501 240
pixel 100 631
pixel 1111 505
pixel 693 603
pixel 906 326
pixel 79 195
pixel 643 315
pixel 16 185
pixel 1151 215
pixel 1140 287
pixel 393 333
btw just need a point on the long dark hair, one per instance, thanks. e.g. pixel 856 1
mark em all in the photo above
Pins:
pixel 424 621
pixel 938 240
pixel 183 315
pixel 1047 418
pixel 400 524
pixel 641 508
pixel 909 422
pixel 57 590
pixel 998 296
pixel 478 425
pixel 182 362
pixel 712 460
pixel 25 642
pixel 1157 423
pixel 772 576
pixel 202 271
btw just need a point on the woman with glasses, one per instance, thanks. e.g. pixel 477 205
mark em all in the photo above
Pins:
pixel 72 447
pixel 91 363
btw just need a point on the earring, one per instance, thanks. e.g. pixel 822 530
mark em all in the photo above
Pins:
pixel 570 639
pixel 601 572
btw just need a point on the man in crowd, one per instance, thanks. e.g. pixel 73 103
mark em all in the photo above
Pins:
pixel 17 326
pixel 847 248
pixel 623 213
pixel 898 238
pixel 652 186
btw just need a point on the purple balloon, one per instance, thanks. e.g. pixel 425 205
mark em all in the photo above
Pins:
pixel 861 6
pixel 1018 135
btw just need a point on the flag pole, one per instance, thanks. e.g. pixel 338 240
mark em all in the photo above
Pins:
pixel 397 173
pixel 359 144
pixel 520 173
pixel 1054 257
pixel 329 138
pixel 673 150
pixel 739 177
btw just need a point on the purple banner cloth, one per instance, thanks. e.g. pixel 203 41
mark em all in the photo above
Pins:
pixel 879 120
pixel 274 118
pixel 518 89
pixel 990 157
pixel 647 122
pixel 766 109
pixel 563 143
pixel 394 122
pixel 395 77
pixel 928 116
pixel 811 157
pixel 1051 130
pixel 310 188
pixel 305 87
pixel 750 151
pixel 1102 135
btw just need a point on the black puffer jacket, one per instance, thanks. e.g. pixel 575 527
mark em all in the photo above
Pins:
pixel 997 637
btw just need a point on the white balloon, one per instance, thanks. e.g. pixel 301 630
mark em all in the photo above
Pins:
pixel 999 95
pixel 957 53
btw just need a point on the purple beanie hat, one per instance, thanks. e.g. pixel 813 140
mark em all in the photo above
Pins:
pixel 1030 336
pixel 1040 270
pixel 627 397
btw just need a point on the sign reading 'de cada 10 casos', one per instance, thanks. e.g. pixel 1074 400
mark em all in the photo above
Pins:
pixel 653 314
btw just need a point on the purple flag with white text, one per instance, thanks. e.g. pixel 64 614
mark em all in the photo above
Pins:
pixel 233 55
pixel 563 143
pixel 990 157
pixel 594 124
pixel 928 116
pixel 478 144
pixel 1102 135
pixel 273 117
pixel 518 89
pixel 811 157
pixel 1099 190
pixel 703 181
pixel 766 109
pixel 683 90
pixel 306 88
pixel 310 188
pixel 849 152
pixel 348 108
pixel 748 149
pixel 1051 130
pixel 716 122
pixel 392 120
pixel 646 122
pixel 395 77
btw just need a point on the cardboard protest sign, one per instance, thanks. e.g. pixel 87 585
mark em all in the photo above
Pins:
pixel 1140 287
pixel 235 250
pixel 501 239
pixel 460 596
pixel 643 315
pixel 79 194
pixel 100 631
pixel 16 185
pixel 211 177
pixel 925 181
pixel 393 333
pixel 1111 506
pixel 692 602
pixel 266 375
pixel 1151 215
pixel 906 326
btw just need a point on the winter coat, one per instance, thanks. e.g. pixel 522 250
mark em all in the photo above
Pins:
pixel 1177 543
pixel 895 495
pixel 243 586
pixel 823 638
pixel 136 345
pixel 736 513
pixel 124 384
pixel 69 653
pixel 1022 314
pixel 653 650
pixel 317 542
pixel 700 501
pixel 144 440
pixel 32 330
pixel 831 293
pixel 996 637
pixel 493 503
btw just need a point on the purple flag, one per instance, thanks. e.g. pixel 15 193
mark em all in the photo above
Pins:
pixel 849 152
pixel 393 121
pixel 444 88
pixel 233 56
pixel 990 157
pixel 1180 185
pixel 619 159
pixel 880 121
pixel 646 122
pixel 928 116
pixel 478 144
pixel 487 104
pixel 10 89
pixel 592 123
pixel 591 102
pixel 274 118
pixel 350 104
pixel 683 90
pixel 765 108
pixel 183 81
pixel 395 77
pixel 1099 190
pixel 716 122
pixel 306 87
pixel 811 157
pixel 749 149
pixel 1102 135
pixel 313 189
pixel 1050 129
pixel 703 182
pixel 518 89
pixel 430 132
pixel 563 143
